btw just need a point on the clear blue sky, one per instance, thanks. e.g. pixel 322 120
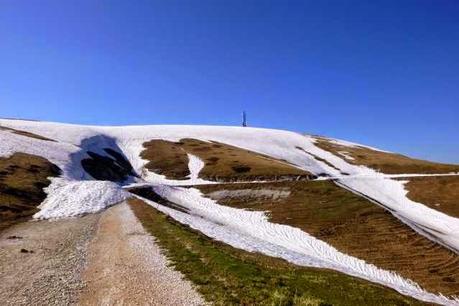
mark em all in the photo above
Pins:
pixel 384 73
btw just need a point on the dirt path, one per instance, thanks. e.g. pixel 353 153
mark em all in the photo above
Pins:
pixel 126 267
pixel 51 275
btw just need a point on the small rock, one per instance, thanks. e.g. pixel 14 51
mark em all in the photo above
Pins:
pixel 14 237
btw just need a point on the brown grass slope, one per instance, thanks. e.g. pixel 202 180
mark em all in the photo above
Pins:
pixel 25 133
pixel 438 192
pixel 222 162
pixel 389 163
pixel 22 179
pixel 352 224
pixel 166 158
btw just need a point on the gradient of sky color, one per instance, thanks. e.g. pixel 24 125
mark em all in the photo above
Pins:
pixel 383 73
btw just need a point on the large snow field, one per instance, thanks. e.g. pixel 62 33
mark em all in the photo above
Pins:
pixel 74 140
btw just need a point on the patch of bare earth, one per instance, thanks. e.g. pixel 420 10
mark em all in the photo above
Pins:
pixel 389 163
pixel 166 158
pixel 351 224
pixel 126 267
pixel 222 162
pixel 438 192
pixel 22 179
pixel 41 261
pixel 25 133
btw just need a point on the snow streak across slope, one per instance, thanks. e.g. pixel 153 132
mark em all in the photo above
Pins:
pixel 256 233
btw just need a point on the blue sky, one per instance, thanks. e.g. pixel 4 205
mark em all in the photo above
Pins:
pixel 384 73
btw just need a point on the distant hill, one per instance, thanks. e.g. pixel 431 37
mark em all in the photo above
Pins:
pixel 310 200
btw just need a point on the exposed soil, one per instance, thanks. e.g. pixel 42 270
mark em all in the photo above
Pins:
pixel 352 224
pixel 222 162
pixel 22 179
pixel 166 158
pixel 438 192
pixel 389 163
pixel 24 133
pixel 41 261
pixel 126 267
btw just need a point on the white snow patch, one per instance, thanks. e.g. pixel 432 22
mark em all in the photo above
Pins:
pixel 346 155
pixel 195 165
pixel 74 198
pixel 407 175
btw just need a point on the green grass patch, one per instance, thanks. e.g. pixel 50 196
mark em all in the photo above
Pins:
pixel 228 276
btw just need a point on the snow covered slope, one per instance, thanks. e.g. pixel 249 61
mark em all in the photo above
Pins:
pixel 76 193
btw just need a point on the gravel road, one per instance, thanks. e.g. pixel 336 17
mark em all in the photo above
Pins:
pixel 51 275
pixel 127 267
pixel 100 259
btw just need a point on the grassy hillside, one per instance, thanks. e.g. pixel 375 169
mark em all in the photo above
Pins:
pixel 439 192
pixel 350 223
pixel 228 276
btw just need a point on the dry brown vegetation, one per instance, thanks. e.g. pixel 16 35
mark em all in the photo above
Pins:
pixel 389 163
pixel 167 158
pixel 438 192
pixel 353 225
pixel 24 133
pixel 22 179
pixel 222 162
